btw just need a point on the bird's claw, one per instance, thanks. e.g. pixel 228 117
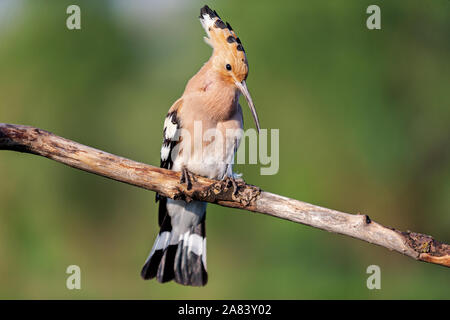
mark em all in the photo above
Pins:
pixel 233 182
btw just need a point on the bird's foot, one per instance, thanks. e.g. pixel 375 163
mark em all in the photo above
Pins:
pixel 187 177
pixel 233 182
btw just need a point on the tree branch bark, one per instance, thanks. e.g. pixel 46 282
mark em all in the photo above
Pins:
pixel 165 182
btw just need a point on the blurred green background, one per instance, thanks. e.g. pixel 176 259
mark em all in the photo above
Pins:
pixel 364 127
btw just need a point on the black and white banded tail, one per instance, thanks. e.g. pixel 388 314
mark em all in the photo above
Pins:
pixel 179 252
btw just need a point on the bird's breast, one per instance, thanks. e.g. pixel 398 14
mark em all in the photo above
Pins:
pixel 208 144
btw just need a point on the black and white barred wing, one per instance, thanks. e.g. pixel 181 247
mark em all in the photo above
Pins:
pixel 171 134
pixel 171 138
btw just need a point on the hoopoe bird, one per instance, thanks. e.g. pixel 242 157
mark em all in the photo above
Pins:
pixel 210 102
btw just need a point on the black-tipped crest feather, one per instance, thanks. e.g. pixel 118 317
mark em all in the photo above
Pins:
pixel 220 24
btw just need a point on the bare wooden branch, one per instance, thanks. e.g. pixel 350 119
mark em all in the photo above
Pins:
pixel 40 142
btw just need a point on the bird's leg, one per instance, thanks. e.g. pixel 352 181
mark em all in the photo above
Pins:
pixel 187 178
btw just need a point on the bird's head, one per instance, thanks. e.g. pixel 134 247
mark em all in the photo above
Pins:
pixel 228 59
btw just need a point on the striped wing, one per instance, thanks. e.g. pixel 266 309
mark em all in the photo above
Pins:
pixel 170 140
pixel 171 131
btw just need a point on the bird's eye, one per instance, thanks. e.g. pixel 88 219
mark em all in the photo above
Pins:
pixel 228 67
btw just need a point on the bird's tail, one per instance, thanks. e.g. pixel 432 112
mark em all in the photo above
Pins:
pixel 179 251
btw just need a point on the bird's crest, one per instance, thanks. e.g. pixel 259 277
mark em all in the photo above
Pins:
pixel 220 34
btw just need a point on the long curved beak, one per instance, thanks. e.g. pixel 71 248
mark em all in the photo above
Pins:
pixel 243 88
